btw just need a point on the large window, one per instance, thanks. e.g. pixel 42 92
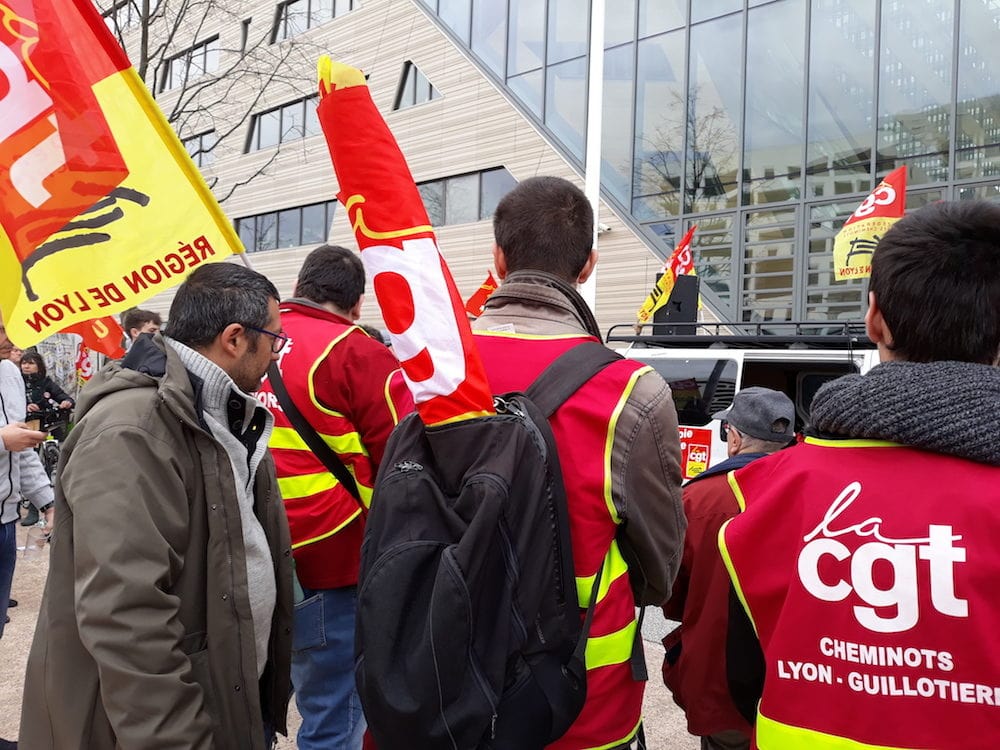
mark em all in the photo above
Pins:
pixel 201 59
pixel 201 148
pixel 465 198
pixel 754 119
pixel 296 16
pixel 414 88
pixel 289 122
pixel 292 227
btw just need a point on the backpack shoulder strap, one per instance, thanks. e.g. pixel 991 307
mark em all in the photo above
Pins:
pixel 307 432
pixel 567 373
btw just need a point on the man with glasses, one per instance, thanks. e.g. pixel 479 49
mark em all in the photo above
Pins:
pixel 168 608
pixel 349 389
pixel 760 421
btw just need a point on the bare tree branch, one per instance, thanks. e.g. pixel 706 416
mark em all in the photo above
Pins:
pixel 167 42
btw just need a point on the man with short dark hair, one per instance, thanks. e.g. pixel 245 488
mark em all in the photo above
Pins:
pixel 349 388
pixel 866 558
pixel 759 422
pixel 167 612
pixel 617 439
pixel 136 321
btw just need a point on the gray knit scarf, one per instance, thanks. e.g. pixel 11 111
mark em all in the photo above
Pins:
pixel 944 407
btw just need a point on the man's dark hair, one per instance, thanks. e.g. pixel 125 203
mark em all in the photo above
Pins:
pixel 936 279
pixel 333 274
pixel 33 356
pixel 215 295
pixel 136 317
pixel 545 224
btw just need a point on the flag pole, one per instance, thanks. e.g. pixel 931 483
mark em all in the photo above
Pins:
pixel 246 261
pixel 595 111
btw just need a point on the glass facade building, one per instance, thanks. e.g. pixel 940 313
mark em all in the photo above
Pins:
pixel 764 123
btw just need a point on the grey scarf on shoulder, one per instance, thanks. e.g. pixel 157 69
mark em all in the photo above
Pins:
pixel 944 407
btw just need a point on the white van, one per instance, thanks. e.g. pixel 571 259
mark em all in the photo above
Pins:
pixel 705 370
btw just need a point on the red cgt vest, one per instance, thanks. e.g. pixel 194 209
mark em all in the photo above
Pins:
pixel 584 427
pixel 317 505
pixel 870 573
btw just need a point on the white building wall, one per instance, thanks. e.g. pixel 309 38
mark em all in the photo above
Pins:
pixel 471 127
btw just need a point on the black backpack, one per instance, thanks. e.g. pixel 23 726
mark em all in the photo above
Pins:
pixel 468 624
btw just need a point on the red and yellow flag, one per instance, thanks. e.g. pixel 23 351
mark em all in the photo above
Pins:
pixel 100 205
pixel 475 304
pixel 420 303
pixel 84 366
pixel 680 262
pixel 856 241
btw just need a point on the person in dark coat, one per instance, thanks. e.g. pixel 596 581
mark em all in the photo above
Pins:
pixel 760 422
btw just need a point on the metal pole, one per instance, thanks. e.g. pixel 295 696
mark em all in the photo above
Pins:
pixel 595 111
pixel 246 260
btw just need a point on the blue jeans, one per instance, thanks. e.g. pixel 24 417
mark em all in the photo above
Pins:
pixel 323 671
pixel 8 557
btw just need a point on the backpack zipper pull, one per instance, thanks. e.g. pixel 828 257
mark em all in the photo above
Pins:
pixel 493 727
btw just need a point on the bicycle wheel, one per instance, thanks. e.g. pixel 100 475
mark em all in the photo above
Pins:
pixel 50 458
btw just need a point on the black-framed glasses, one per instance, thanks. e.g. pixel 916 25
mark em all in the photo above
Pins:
pixel 278 339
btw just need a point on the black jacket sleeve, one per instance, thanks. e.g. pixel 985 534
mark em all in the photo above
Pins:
pixel 744 660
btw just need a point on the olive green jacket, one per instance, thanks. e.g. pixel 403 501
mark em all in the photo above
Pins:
pixel 145 636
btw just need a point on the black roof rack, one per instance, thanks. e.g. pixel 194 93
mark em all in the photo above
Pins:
pixel 805 334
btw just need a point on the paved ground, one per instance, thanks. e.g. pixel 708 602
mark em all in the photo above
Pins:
pixel 664 721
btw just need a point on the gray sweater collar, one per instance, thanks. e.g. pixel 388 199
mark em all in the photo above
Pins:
pixel 944 407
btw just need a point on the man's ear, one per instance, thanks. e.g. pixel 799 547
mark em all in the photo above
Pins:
pixel 229 339
pixel 355 312
pixel 499 262
pixel 877 329
pixel 875 325
pixel 588 267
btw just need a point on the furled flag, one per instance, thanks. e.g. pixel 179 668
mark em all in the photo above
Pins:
pixel 681 262
pixel 100 204
pixel 856 241
pixel 84 366
pixel 474 305
pixel 103 335
pixel 419 300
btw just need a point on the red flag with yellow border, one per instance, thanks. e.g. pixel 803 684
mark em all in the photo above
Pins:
pixel 100 204
pixel 857 240
pixel 420 303
pixel 475 304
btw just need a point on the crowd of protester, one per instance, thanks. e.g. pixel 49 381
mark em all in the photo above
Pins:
pixel 174 615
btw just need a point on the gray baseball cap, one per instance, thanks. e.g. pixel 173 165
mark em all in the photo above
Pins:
pixel 757 412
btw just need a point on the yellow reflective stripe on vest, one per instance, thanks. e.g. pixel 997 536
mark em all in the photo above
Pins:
pixel 623 741
pixel 315 366
pixel 305 485
pixel 609 441
pixel 773 735
pixel 853 443
pixel 614 568
pixel 728 562
pixel 737 490
pixel 342 445
pixel 325 535
pixel 613 648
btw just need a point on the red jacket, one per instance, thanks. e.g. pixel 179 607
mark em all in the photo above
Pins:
pixel 694 667
pixel 350 389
